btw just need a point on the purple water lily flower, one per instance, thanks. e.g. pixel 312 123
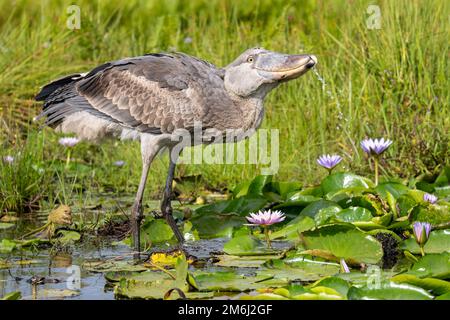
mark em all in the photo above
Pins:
pixel 8 159
pixel 375 146
pixel 421 232
pixel 68 141
pixel 266 218
pixel 430 198
pixel 329 161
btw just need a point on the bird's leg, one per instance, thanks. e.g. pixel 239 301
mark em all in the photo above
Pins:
pixel 166 207
pixel 136 211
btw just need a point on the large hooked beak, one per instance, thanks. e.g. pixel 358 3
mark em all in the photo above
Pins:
pixel 284 67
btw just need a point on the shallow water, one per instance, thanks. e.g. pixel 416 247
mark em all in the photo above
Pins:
pixel 56 268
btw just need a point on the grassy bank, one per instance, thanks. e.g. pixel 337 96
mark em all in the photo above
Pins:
pixel 391 82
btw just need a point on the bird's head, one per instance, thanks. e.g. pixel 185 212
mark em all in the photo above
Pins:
pixel 257 71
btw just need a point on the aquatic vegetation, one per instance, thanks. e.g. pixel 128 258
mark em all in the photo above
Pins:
pixel 421 234
pixel 265 219
pixel 430 198
pixel 329 161
pixel 345 235
pixel 374 148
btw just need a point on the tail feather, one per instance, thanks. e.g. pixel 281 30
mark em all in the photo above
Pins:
pixel 48 89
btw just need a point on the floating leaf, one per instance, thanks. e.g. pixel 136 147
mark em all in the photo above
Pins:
pixel 341 180
pixel 436 286
pixel 314 208
pixel 353 214
pixel 439 241
pixel 245 245
pixel 211 225
pixel 338 284
pixel 294 228
pixel 432 265
pixel 68 236
pixel 243 261
pixel 344 242
pixel 389 291
pixel 229 281
pixel 156 230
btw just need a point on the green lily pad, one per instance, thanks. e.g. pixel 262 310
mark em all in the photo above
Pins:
pixel 316 207
pixel 389 291
pixel 156 230
pixel 439 241
pixel 343 242
pixel 341 180
pixel 292 230
pixel 211 225
pixel 432 265
pixel 246 245
pixel 353 214
pixel 241 206
pixel 228 281
pixel 338 284
pixel 68 236
pixel 112 266
pixel 298 268
pixel 145 290
pixel 297 200
pixel 243 261
pixel 396 189
pixel 436 286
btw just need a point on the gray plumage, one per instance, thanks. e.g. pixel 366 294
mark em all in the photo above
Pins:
pixel 152 96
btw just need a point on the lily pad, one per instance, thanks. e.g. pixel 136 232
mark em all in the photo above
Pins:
pixel 316 207
pixel 389 291
pixel 292 230
pixel 338 284
pixel 436 286
pixel 112 266
pixel 343 242
pixel 156 230
pixel 212 224
pixel 341 180
pixel 439 241
pixel 432 265
pixel 246 245
pixel 243 261
pixel 298 268
pixel 229 281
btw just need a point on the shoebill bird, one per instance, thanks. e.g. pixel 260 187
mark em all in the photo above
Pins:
pixel 153 96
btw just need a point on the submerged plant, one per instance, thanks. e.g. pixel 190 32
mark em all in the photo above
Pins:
pixel 265 219
pixel 374 148
pixel 329 161
pixel 421 232
pixel 430 198
pixel 68 142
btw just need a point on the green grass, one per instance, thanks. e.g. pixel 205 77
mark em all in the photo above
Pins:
pixel 391 82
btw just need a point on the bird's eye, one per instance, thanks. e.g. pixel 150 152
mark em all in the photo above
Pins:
pixel 250 59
